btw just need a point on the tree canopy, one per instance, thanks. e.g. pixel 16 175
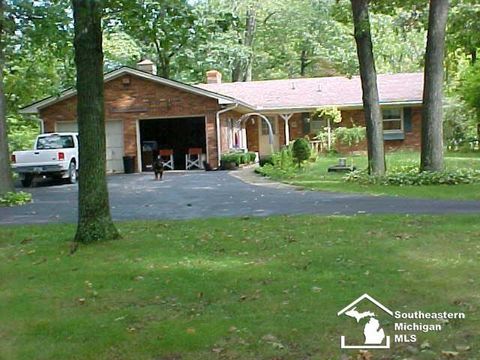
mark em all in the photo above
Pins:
pixel 244 39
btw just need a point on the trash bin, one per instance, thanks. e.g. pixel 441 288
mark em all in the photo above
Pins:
pixel 129 164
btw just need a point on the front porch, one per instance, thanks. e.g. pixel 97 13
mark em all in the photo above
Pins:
pixel 265 133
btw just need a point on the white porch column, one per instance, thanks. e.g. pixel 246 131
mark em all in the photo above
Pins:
pixel 329 135
pixel 286 118
pixel 243 138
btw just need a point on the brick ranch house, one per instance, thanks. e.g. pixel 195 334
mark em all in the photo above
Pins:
pixel 146 113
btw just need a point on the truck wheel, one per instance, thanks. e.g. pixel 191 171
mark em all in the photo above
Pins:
pixel 27 180
pixel 72 173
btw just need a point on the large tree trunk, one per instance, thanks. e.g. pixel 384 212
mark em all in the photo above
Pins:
pixel 303 62
pixel 6 181
pixel 251 26
pixel 243 68
pixel 368 75
pixel 94 220
pixel 432 121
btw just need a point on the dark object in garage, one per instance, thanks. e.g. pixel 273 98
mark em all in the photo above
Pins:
pixel 177 134
pixel 129 164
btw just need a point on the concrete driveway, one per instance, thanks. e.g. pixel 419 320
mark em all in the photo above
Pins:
pixel 186 195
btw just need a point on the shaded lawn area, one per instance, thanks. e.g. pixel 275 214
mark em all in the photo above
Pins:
pixel 251 288
pixel 316 177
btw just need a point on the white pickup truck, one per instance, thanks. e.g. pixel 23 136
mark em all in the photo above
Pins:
pixel 55 155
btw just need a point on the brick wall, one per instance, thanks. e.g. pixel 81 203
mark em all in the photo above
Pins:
pixel 412 138
pixel 129 98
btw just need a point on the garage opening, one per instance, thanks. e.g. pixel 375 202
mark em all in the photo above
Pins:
pixel 177 134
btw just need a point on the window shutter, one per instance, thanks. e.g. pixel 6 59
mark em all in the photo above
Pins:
pixel 407 119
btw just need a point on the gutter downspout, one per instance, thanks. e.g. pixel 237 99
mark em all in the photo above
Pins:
pixel 217 123
pixel 42 125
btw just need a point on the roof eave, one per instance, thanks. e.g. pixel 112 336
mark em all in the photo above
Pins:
pixel 339 106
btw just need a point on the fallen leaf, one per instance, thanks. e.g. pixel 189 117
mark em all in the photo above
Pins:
pixel 425 345
pixel 269 338
pixel 277 345
pixel 364 355
pixel 450 354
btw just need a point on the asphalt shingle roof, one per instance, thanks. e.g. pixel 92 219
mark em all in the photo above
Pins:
pixel 315 92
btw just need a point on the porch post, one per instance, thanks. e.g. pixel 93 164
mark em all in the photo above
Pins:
pixel 286 118
pixel 329 135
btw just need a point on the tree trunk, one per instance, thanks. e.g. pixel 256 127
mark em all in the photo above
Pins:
pixel 432 121
pixel 303 62
pixel 94 220
pixel 242 68
pixel 251 25
pixel 368 75
pixel 6 181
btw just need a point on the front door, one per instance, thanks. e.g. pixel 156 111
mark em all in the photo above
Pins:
pixel 265 148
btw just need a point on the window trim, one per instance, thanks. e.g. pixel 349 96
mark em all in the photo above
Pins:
pixel 402 126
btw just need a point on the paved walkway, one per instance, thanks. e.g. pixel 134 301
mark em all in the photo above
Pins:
pixel 195 194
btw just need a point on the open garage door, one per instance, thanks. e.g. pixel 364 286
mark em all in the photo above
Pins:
pixel 114 138
pixel 177 134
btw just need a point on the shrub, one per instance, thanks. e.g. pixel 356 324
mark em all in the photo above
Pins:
pixel 301 150
pixel 264 160
pixel 409 175
pixel 231 158
pixel 239 158
pixel 350 136
pixel 252 156
pixel 15 198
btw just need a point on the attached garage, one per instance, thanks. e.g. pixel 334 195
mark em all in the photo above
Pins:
pixel 114 140
pixel 175 134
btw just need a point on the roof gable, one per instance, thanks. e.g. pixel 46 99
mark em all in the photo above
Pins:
pixel 222 99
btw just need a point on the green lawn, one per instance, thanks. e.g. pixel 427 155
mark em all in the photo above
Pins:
pixel 251 288
pixel 316 177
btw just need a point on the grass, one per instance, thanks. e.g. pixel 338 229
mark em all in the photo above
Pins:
pixel 250 288
pixel 316 177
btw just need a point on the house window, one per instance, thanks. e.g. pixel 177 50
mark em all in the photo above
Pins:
pixel 317 125
pixel 392 120
pixel 265 126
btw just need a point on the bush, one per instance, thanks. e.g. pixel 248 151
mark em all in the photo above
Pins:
pixel 238 158
pixel 252 156
pixel 231 158
pixel 409 175
pixel 264 160
pixel 350 136
pixel 15 198
pixel 301 150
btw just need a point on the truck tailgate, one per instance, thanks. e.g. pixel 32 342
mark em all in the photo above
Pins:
pixel 36 157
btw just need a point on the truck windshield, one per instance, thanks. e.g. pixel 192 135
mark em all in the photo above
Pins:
pixel 55 142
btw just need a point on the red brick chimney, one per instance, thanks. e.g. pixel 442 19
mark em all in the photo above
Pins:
pixel 147 66
pixel 214 77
